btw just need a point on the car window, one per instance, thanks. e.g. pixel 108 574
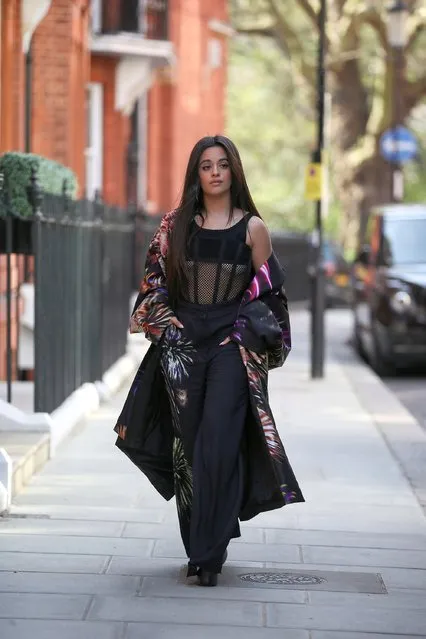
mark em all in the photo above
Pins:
pixel 404 241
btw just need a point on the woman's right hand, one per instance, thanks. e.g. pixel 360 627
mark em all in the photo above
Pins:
pixel 175 322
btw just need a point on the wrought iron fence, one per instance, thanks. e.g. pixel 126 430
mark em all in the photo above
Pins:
pixel 148 17
pixel 82 285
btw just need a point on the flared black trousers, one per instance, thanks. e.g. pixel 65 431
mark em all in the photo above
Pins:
pixel 210 398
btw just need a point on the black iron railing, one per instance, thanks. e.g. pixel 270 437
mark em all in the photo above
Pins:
pixel 132 160
pixel 147 17
pixel 82 286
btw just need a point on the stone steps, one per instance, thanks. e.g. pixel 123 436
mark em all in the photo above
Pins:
pixel 28 451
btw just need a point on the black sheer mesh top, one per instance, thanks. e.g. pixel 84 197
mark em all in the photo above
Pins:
pixel 218 263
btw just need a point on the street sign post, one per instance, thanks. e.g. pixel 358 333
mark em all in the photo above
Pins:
pixel 398 145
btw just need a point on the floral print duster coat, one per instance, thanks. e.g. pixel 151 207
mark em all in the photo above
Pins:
pixel 146 427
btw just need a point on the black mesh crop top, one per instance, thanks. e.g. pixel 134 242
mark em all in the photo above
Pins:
pixel 218 263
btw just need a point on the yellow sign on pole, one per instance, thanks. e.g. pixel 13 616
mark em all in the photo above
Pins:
pixel 313 182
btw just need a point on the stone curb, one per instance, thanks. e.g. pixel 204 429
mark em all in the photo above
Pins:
pixel 13 418
pixel 402 433
pixel 5 480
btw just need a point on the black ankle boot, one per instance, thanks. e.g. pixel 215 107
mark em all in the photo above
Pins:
pixel 207 578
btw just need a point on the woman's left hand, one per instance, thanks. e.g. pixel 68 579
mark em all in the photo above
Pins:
pixel 225 341
pixel 246 354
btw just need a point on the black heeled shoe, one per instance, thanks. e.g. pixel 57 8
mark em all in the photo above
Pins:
pixel 207 578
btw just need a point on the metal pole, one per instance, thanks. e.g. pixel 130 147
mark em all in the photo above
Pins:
pixel 28 128
pixel 397 182
pixel 28 97
pixel 318 289
pixel 35 197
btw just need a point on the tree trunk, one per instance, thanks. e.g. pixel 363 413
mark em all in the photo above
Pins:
pixel 374 178
pixel 358 190
pixel 368 184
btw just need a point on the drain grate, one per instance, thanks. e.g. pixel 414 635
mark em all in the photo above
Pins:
pixel 282 579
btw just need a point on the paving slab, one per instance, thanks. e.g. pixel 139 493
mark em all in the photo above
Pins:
pixel 237 552
pixel 65 527
pixel 90 513
pixel 157 566
pixel 349 618
pixel 182 631
pixel 329 634
pixel 41 606
pixel 158 531
pixel 35 629
pixel 174 610
pixel 68 583
pixel 402 599
pixel 344 521
pixel 76 545
pixel 393 578
pixel 365 556
pixel 39 562
pixel 171 587
pixel 344 539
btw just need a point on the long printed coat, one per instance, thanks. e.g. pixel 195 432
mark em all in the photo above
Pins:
pixel 145 425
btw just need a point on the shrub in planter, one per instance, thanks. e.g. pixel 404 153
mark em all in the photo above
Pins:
pixel 16 168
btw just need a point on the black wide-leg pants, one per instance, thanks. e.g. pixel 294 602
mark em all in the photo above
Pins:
pixel 211 402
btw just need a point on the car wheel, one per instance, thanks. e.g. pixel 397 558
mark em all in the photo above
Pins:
pixel 381 364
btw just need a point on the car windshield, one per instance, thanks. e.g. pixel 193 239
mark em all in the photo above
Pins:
pixel 404 241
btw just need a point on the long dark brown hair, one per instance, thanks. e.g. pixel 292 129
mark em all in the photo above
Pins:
pixel 192 204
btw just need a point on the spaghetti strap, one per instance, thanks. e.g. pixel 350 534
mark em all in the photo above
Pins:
pixel 247 218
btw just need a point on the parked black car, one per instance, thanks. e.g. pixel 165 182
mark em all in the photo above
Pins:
pixel 389 288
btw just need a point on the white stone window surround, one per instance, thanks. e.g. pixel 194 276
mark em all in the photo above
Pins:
pixel 33 12
pixel 95 143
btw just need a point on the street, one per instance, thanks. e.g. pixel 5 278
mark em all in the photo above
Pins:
pixel 410 388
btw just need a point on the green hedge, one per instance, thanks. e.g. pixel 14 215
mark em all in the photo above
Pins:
pixel 16 168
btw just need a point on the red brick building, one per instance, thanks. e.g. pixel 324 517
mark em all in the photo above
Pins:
pixel 112 87
pixel 118 90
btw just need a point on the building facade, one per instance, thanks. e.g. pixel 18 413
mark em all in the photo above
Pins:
pixel 117 90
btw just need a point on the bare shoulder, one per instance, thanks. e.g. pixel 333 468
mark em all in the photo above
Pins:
pixel 257 225
pixel 258 232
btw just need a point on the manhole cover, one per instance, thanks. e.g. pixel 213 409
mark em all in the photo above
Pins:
pixel 282 578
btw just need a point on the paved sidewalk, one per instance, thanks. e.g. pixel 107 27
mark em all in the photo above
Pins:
pixel 92 552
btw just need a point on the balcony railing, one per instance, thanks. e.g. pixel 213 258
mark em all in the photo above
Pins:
pixel 146 17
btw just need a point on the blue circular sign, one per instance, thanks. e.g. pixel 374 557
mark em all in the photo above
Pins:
pixel 398 145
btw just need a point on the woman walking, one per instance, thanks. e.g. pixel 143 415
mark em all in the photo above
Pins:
pixel 197 420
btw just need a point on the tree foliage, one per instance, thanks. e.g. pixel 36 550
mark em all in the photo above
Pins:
pixel 273 83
